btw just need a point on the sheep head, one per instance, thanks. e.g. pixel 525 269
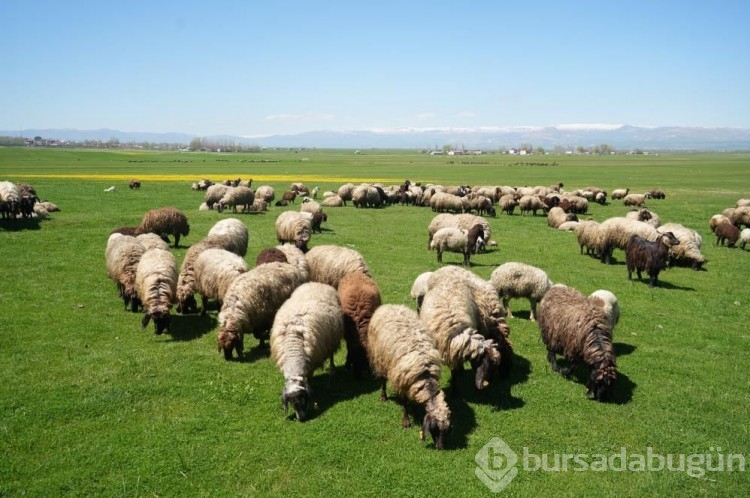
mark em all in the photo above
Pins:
pixel 436 421
pixel 227 341
pixel 161 320
pixel 187 305
pixel 485 364
pixel 296 391
pixel 668 239
pixel 601 380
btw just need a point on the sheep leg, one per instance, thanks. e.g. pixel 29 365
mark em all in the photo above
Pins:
pixel 439 256
pixel 204 304
pixel 383 394
pixel 405 420
pixel 565 372
pixel 552 359
pixel 532 314
pixel 506 305
pixel 176 240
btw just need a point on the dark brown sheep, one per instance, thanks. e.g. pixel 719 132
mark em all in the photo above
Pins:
pixel 288 196
pixel 271 255
pixel 165 221
pixel 134 184
pixel 656 193
pixel 725 231
pixel 360 297
pixel 641 254
pixel 317 219
pixel 573 326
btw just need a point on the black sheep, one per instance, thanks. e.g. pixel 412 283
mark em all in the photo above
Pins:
pixel 642 254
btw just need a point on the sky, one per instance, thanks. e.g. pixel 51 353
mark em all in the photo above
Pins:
pixel 256 68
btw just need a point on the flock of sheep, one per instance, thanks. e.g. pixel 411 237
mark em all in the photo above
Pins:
pixel 21 201
pixel 306 301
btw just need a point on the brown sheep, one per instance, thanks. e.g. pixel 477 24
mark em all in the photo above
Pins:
pixel 573 326
pixel 727 232
pixel 360 297
pixel 134 184
pixel 271 255
pixel 642 254
pixel 165 221
pixel 288 197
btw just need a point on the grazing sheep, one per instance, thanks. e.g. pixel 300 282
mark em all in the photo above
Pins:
pixel 151 240
pixel 642 254
pixel 215 269
pixel 443 202
pixel 619 193
pixel 165 221
pixel 287 197
pixel 530 204
pixel 234 233
pixel 573 326
pixel 587 233
pixel 258 206
pixel 508 203
pixel 300 188
pixel 512 280
pixel 741 216
pixel 556 217
pixel 236 196
pixel 463 221
pixel 330 263
pixel 310 206
pixel 716 219
pixel 134 184
pixel 360 297
pixel 251 301
pixel 727 232
pixel 742 203
pixel 608 302
pixel 403 354
pixel 345 192
pixel 645 216
pixel 316 221
pixel 568 226
pixel 688 252
pixel 214 193
pixel 366 196
pixel 307 331
pixel 266 193
pixel 315 191
pixel 637 200
pixel 419 288
pixel 655 193
pixel 332 201
pixel 10 199
pixel 156 283
pixel 744 237
pixel 456 240
pixel 294 228
pixel 49 206
pixel 453 319
pixel 122 255
pixel 616 232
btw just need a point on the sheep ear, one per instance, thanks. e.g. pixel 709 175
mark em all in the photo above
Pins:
pixel 145 320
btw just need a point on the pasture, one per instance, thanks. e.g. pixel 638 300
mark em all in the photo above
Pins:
pixel 92 405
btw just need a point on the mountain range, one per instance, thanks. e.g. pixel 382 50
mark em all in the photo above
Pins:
pixel 620 137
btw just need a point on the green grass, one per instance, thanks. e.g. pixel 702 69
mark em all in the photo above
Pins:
pixel 92 405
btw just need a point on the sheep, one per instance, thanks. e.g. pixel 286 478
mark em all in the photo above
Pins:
pixel 637 200
pixel 251 301
pixel 317 220
pixel 156 283
pixel 508 203
pixel 295 228
pixel 266 193
pixel 258 206
pixel 215 269
pixel 530 203
pixel 568 226
pixel 727 232
pixel 366 196
pixel 151 240
pixel 452 317
pixel 332 201
pixel 165 221
pixel 556 217
pixel 242 196
pixel 642 254
pixel 330 263
pixel 419 288
pixel 234 233
pixel 122 254
pixel 134 184
pixel 310 206
pixel 571 325
pixel 716 220
pixel 10 199
pixel 655 193
pixel 271 255
pixel 403 354
pixel 608 302
pixel 345 192
pixel 688 252
pixel 576 204
pixel 455 240
pixel 306 331
pixel 741 216
pixel 442 202
pixel 513 279
pixel 744 238
pixel 644 215
pixel 214 193
pixel 742 203
pixel 49 206
pixel 619 193
pixel 360 297
pixel 616 232
pixel 288 196
pixel 300 188
pixel 476 202
pixel 464 221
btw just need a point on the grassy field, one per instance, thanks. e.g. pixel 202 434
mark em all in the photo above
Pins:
pixel 91 405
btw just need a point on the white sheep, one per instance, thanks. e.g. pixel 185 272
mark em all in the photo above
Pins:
pixel 465 221
pixel 365 196
pixel 442 202
pixel 330 263
pixel 122 254
pixel 608 302
pixel 556 217
pixel 419 288
pixel 332 201
pixel 234 233
pixel 744 238
pixel 636 200
pixel 251 302
pixel 455 240
pixel 345 192
pixel 236 196
pixel 266 193
pixel 156 283
pixel 214 193
pixel 295 228
pixel 689 249
pixel 151 240
pixel 403 354
pixel 215 269
pixel 306 331
pixel 620 193
pixel 310 206
pixel 513 280
pixel 530 203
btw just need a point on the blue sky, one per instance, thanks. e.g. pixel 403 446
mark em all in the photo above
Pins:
pixel 267 67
